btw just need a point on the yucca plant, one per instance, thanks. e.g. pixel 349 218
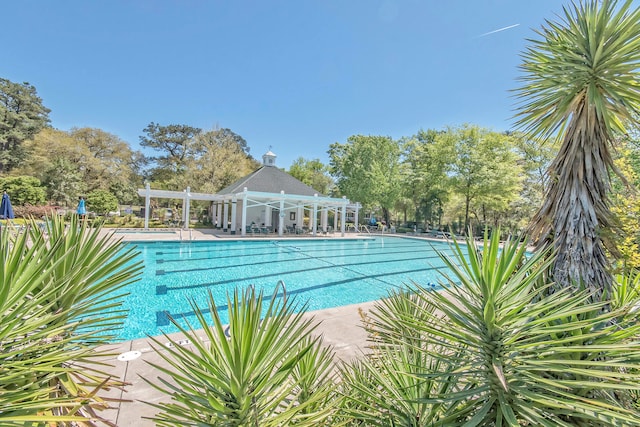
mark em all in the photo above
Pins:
pixel 529 357
pixel 580 85
pixel 390 385
pixel 54 284
pixel 267 372
pixel 494 348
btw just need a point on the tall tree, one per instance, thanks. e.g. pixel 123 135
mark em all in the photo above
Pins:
pixel 367 170
pixel 110 157
pixel 82 160
pixel 313 173
pixel 426 159
pixel 22 115
pixel 485 172
pixel 220 158
pixel 64 182
pixel 175 145
pixel 580 85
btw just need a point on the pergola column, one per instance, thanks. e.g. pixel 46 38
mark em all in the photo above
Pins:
pixel 147 205
pixel 225 215
pixel 186 205
pixel 314 217
pixel 219 215
pixel 356 216
pixel 281 215
pixel 300 216
pixel 343 217
pixel 324 219
pixel 234 201
pixel 243 230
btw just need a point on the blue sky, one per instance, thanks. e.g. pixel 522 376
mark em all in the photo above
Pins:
pixel 294 75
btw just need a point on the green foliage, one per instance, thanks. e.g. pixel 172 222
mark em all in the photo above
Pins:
pixel 174 144
pixel 390 385
pixel 56 283
pixel 493 349
pixel 367 169
pixel 580 86
pixel 268 372
pixel 427 185
pixel 64 182
pixel 24 190
pixel 101 202
pixel 108 156
pixel 218 158
pixel 22 115
pixel 313 173
pixel 485 172
pixel 591 56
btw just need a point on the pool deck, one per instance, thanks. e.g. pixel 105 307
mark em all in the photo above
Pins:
pixel 340 328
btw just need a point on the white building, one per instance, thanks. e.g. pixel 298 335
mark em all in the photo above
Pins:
pixel 267 200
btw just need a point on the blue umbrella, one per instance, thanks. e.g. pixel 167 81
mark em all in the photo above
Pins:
pixel 6 210
pixel 82 210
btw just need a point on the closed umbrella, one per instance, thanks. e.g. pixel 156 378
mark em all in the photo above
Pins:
pixel 6 210
pixel 82 210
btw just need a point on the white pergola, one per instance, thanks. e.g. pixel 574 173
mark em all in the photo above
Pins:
pixel 227 217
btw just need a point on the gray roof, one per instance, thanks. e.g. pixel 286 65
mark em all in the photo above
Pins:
pixel 270 179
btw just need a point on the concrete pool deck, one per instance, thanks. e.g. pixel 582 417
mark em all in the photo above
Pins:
pixel 339 328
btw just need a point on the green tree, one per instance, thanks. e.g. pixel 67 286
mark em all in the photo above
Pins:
pixel 580 85
pixel 24 190
pixel 485 173
pixel 101 202
pixel 535 157
pixel 64 182
pixel 175 145
pixel 219 158
pixel 367 170
pixel 110 157
pixel 313 173
pixel 22 115
pixel 427 184
pixel 81 160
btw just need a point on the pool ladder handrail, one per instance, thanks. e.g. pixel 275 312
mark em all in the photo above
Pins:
pixel 284 289
pixel 190 234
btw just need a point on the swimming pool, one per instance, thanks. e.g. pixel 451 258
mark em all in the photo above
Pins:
pixel 324 273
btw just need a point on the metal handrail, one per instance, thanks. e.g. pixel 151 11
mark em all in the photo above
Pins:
pixel 284 289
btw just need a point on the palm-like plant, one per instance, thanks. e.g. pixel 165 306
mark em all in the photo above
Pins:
pixel 581 85
pixel 55 284
pixel 494 349
pixel 267 372
pixel 392 385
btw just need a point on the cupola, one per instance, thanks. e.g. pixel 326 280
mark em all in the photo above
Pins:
pixel 268 158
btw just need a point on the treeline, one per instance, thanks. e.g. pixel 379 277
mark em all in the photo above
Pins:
pixel 40 165
pixel 453 178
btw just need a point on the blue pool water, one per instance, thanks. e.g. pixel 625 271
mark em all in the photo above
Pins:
pixel 323 273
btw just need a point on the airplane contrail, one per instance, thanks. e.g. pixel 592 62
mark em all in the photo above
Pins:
pixel 498 30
